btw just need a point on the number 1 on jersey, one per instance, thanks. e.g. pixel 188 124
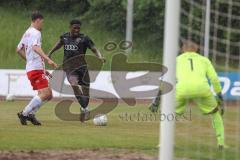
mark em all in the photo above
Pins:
pixel 191 63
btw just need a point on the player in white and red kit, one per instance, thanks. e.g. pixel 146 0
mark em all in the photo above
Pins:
pixel 30 49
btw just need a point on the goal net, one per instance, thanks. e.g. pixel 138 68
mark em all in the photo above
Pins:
pixel 224 30
pixel 216 27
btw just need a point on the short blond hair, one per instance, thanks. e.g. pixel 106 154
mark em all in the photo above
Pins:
pixel 189 46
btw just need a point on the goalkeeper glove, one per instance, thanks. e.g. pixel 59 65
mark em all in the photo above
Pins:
pixel 155 104
pixel 153 107
pixel 220 103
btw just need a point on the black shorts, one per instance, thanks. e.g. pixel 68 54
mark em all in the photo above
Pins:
pixel 81 74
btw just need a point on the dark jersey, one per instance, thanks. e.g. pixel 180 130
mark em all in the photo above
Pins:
pixel 74 46
pixel 74 49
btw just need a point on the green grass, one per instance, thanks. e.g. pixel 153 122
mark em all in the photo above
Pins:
pixel 14 22
pixel 57 134
pixel 194 139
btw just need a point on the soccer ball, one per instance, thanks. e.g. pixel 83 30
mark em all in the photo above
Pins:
pixel 100 120
pixel 10 97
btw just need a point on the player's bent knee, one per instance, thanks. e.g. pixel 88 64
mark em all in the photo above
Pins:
pixel 50 96
pixel 46 94
pixel 213 111
pixel 73 83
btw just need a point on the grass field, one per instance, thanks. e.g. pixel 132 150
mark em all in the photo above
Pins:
pixel 15 21
pixel 194 139
pixel 57 134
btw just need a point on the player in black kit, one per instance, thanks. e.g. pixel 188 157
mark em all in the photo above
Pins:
pixel 74 64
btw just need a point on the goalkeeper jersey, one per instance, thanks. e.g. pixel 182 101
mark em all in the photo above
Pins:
pixel 193 73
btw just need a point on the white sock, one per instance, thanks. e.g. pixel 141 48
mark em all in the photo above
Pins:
pixel 32 106
pixel 84 109
pixel 37 108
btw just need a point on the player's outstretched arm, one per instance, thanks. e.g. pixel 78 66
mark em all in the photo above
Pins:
pixel 39 51
pixel 98 54
pixel 212 75
pixel 57 46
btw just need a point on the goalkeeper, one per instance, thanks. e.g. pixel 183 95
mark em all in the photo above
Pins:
pixel 193 72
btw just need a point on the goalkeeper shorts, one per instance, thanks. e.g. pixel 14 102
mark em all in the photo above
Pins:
pixel 206 103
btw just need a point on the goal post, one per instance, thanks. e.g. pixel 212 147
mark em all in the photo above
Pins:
pixel 129 23
pixel 207 28
pixel 214 26
pixel 171 48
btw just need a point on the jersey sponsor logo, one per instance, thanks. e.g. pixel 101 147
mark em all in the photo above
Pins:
pixel 78 40
pixel 70 47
